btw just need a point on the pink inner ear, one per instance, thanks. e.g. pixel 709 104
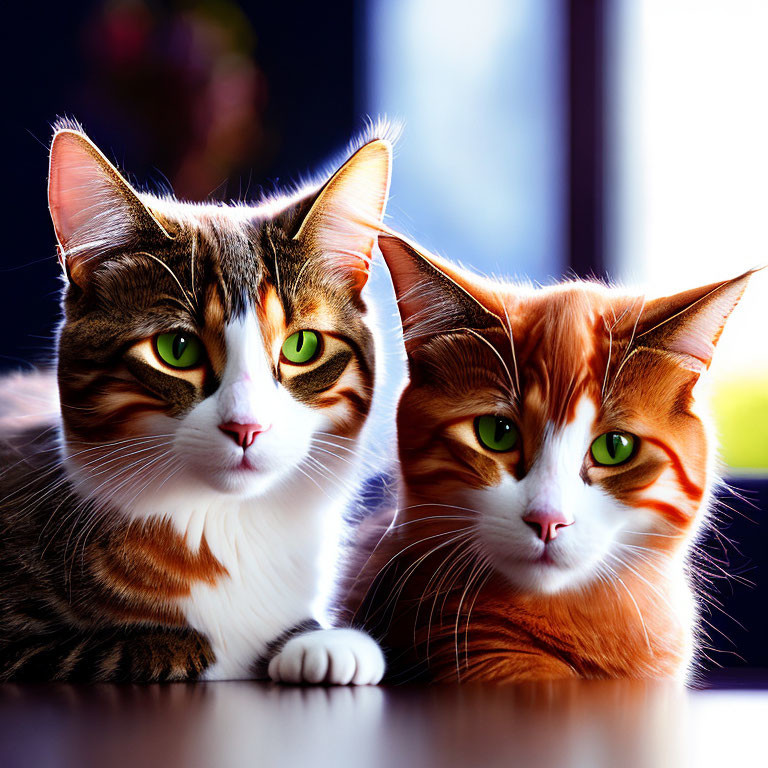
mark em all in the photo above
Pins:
pixel 87 205
pixel 701 330
pixel 695 341
pixel 344 221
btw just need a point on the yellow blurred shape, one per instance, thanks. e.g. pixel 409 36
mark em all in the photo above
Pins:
pixel 740 406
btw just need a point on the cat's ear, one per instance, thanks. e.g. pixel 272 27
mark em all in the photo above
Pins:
pixel 93 208
pixel 689 324
pixel 434 296
pixel 343 222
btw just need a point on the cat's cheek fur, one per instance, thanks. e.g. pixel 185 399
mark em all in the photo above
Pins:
pixel 581 552
pixel 332 656
pixel 214 459
pixel 247 393
pixel 515 551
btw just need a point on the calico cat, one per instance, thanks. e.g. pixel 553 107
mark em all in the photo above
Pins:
pixel 215 370
pixel 555 472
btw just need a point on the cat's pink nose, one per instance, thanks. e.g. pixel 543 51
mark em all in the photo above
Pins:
pixel 243 434
pixel 546 522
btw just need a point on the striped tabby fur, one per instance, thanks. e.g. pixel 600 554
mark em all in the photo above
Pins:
pixel 138 542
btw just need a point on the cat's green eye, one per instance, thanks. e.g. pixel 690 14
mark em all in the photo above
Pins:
pixel 613 448
pixel 496 433
pixel 179 349
pixel 302 347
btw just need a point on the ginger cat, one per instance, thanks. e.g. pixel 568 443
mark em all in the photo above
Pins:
pixel 555 473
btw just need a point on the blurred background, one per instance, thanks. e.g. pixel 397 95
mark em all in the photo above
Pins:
pixel 625 139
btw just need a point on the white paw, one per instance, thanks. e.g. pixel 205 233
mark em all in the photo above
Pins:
pixel 332 656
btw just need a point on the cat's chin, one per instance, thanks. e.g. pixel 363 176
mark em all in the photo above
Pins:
pixel 242 482
pixel 240 477
pixel 545 576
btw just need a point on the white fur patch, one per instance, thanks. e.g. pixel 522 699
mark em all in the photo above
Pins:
pixel 582 551
pixel 267 527
pixel 272 555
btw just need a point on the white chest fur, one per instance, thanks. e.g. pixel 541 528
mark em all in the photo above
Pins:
pixel 272 557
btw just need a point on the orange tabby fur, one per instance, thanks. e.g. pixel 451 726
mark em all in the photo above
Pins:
pixel 429 589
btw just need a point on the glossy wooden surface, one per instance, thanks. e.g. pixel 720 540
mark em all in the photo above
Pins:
pixel 573 724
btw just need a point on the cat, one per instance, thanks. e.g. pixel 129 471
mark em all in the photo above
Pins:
pixel 555 473
pixel 215 368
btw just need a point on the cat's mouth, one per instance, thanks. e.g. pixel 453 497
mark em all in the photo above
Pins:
pixel 245 464
pixel 547 558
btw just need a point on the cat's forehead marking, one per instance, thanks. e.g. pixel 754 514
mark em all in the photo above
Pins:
pixel 272 317
pixel 213 329
pixel 272 309
pixel 239 264
pixel 561 356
